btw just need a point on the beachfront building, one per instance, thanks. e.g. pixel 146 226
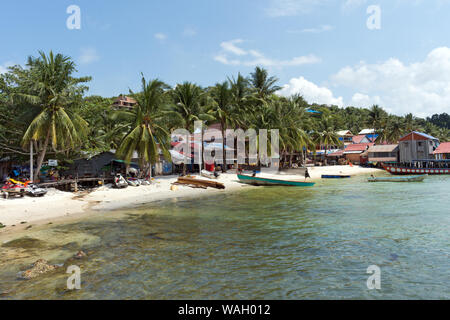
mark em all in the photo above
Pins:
pixel 443 151
pixel 417 146
pixel 357 153
pixel 124 103
pixel 346 136
pixel 364 138
pixel 383 153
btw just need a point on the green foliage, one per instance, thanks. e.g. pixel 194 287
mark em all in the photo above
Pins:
pixel 44 104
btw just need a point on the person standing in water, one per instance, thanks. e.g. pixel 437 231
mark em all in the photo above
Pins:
pixel 307 174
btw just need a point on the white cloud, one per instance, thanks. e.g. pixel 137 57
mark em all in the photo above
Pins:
pixel 189 32
pixel 320 29
pixel 160 36
pixel 3 68
pixel 311 92
pixel 254 57
pixel 351 4
pixel 422 88
pixel 282 8
pixel 230 46
pixel 363 100
pixel 88 55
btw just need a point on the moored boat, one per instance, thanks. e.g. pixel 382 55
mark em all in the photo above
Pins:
pixel 431 167
pixel 258 181
pixel 326 176
pixel 418 178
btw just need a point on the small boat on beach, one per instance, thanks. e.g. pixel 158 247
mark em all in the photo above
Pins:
pixel 325 176
pixel 419 178
pixel 258 181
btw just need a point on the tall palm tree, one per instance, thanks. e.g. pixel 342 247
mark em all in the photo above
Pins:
pixel 410 123
pixel 147 131
pixel 326 135
pixel 240 93
pixel 376 116
pixel 222 111
pixel 395 130
pixel 188 106
pixel 53 89
pixel 262 83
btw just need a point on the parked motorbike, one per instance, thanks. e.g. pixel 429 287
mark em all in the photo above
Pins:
pixel 33 190
pixel 120 182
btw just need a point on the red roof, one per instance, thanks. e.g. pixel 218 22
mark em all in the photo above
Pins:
pixel 339 153
pixel 444 147
pixel 358 138
pixel 358 147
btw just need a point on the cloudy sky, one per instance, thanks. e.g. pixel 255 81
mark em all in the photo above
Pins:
pixel 322 49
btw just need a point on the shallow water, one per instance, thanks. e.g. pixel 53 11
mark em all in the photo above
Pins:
pixel 259 243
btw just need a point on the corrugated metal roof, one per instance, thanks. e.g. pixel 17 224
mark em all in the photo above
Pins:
pixel 424 135
pixel 357 147
pixel 383 148
pixel 367 131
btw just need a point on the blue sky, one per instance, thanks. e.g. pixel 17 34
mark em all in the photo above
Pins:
pixel 319 48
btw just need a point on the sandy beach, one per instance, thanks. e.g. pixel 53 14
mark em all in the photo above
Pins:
pixel 58 205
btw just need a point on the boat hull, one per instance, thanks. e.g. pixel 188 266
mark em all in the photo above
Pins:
pixel 408 171
pixel 399 179
pixel 335 177
pixel 257 181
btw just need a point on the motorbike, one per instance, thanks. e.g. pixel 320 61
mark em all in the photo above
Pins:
pixel 33 190
pixel 120 182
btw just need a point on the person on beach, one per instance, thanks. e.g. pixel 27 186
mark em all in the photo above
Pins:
pixel 307 174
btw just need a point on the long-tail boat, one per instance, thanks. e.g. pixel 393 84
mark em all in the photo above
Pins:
pixel 430 167
pixel 337 176
pixel 419 178
pixel 258 181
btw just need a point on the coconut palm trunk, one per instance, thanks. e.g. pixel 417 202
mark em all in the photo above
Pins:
pixel 41 157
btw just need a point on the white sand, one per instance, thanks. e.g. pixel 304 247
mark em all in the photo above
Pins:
pixel 58 204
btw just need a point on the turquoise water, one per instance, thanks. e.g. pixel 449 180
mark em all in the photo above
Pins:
pixel 259 243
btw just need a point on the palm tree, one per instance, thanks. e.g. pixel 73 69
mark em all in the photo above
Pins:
pixel 376 116
pixel 395 130
pixel 147 132
pixel 326 135
pixel 262 83
pixel 240 93
pixel 222 111
pixel 53 89
pixel 410 123
pixel 188 106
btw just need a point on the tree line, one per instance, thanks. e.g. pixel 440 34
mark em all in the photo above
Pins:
pixel 43 104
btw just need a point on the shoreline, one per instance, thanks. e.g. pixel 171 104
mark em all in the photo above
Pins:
pixel 17 214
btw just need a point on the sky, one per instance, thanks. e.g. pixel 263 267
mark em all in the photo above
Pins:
pixel 342 52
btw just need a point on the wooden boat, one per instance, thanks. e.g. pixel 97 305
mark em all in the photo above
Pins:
pixel 397 169
pixel 325 176
pixel 209 174
pixel 258 181
pixel 419 178
pixel 199 183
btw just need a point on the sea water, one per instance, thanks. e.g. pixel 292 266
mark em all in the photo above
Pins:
pixel 257 243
